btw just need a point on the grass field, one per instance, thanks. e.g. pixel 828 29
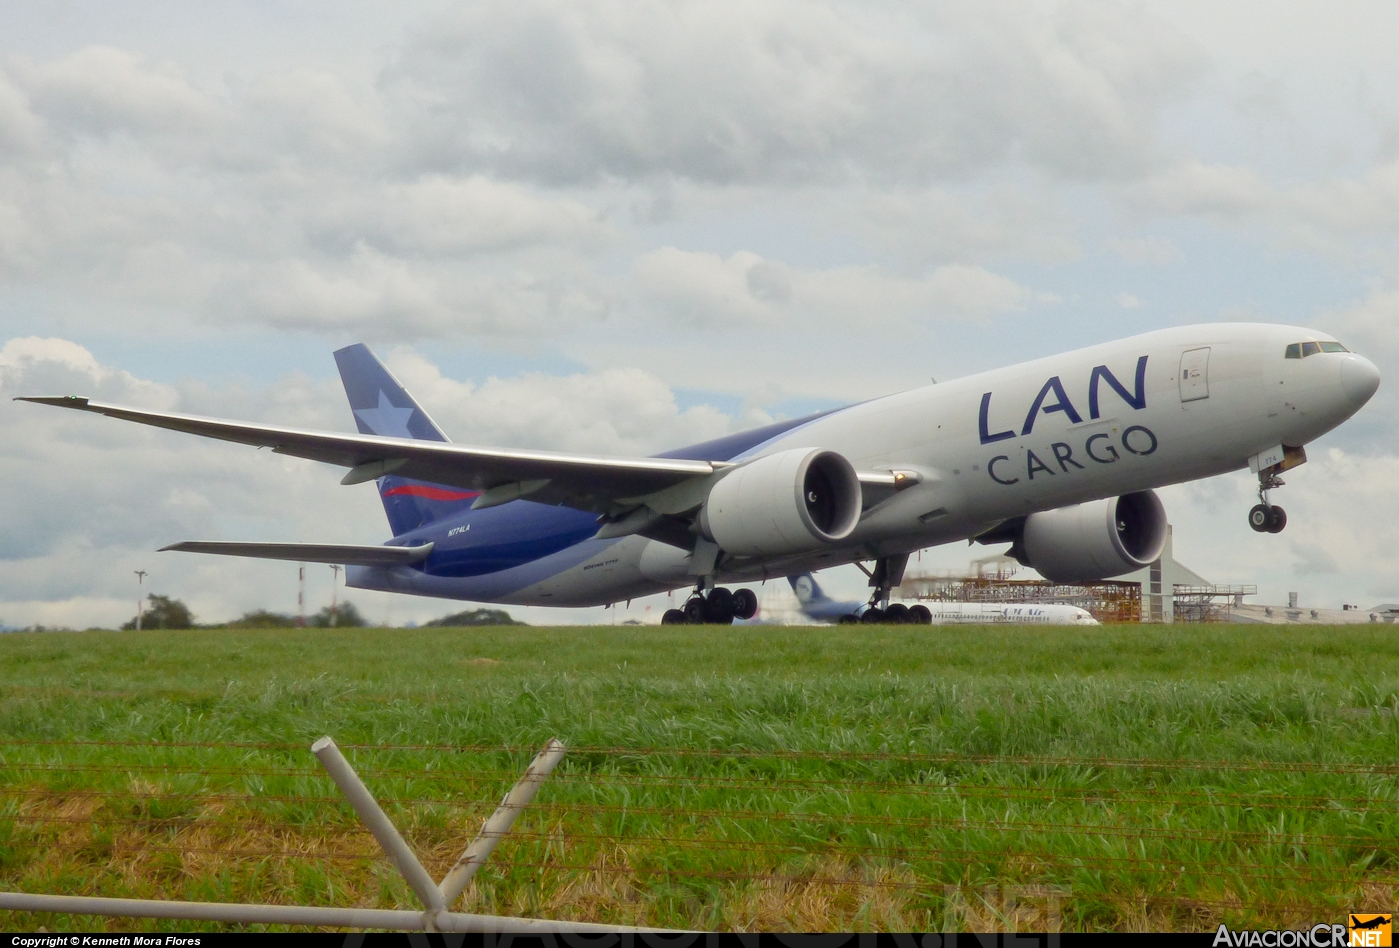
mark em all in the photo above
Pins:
pixel 759 777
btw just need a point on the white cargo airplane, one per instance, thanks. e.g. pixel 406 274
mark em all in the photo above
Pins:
pixel 815 604
pixel 1057 457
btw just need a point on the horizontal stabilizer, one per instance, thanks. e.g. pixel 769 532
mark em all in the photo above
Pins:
pixel 311 552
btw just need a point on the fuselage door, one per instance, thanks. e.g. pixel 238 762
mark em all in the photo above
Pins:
pixel 1195 374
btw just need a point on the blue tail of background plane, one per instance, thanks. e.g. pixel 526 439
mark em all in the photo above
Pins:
pixel 383 407
pixel 807 592
pixel 815 604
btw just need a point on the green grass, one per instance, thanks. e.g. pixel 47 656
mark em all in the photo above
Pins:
pixel 759 777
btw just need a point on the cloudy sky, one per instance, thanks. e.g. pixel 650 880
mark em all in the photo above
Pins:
pixel 621 227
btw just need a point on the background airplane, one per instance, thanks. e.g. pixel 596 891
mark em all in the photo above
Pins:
pixel 815 604
pixel 1056 457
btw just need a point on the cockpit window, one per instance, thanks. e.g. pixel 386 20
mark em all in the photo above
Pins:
pixel 1300 350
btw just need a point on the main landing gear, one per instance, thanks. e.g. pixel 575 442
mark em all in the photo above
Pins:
pixel 718 606
pixel 888 572
pixel 1265 517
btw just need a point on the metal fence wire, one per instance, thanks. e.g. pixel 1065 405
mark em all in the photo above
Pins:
pixel 687 838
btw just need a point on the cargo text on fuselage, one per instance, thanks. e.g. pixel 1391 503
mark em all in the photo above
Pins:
pixel 1097 448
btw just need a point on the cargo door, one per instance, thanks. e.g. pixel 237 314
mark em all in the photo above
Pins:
pixel 1195 374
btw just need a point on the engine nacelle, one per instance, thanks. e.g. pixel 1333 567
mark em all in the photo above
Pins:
pixel 1096 540
pixel 789 502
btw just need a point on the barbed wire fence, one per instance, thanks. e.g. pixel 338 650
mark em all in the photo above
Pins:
pixel 710 838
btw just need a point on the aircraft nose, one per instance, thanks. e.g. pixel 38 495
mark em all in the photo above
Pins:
pixel 1359 379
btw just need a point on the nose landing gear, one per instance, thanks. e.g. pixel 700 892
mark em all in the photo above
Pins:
pixel 1265 517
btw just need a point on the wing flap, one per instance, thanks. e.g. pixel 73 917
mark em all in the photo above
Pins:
pixel 471 468
pixel 347 554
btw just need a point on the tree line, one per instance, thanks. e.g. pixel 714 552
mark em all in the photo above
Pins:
pixel 165 612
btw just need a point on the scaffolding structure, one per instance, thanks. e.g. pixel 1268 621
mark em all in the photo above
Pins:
pixel 1106 600
pixel 1209 603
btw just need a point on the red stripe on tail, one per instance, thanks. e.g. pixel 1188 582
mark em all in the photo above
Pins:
pixel 430 493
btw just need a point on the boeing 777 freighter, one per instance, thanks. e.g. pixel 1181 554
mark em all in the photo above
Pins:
pixel 1057 457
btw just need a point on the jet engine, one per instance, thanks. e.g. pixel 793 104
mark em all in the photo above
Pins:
pixel 789 502
pixel 1095 540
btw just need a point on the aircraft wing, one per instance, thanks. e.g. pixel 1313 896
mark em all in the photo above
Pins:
pixel 310 552
pixel 582 481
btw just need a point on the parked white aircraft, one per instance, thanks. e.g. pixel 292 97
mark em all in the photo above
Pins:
pixel 1056 457
pixel 815 604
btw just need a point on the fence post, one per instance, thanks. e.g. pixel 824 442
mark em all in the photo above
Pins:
pixel 499 822
pixel 379 824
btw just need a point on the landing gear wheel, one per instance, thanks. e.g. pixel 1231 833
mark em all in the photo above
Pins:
pixel 1260 518
pixel 745 603
pixel 872 616
pixel 720 606
pixel 1278 519
pixel 695 611
pixel 896 613
pixel 673 617
pixel 920 615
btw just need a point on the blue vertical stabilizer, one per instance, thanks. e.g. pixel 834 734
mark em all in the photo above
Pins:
pixel 815 604
pixel 383 407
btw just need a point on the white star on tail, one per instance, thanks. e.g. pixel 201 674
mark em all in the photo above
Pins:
pixel 388 419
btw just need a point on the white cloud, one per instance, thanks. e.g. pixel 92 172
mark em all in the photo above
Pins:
pixel 100 89
pixel 20 129
pixel 782 90
pixel 313 114
pixel 965 224
pixel 1194 187
pixel 368 287
pixel 49 366
pixel 1335 215
pixel 438 214
pixel 706 290
pixel 278 204
pixel 623 411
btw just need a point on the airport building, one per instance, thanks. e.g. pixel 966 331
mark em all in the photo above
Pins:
pixel 1173 592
